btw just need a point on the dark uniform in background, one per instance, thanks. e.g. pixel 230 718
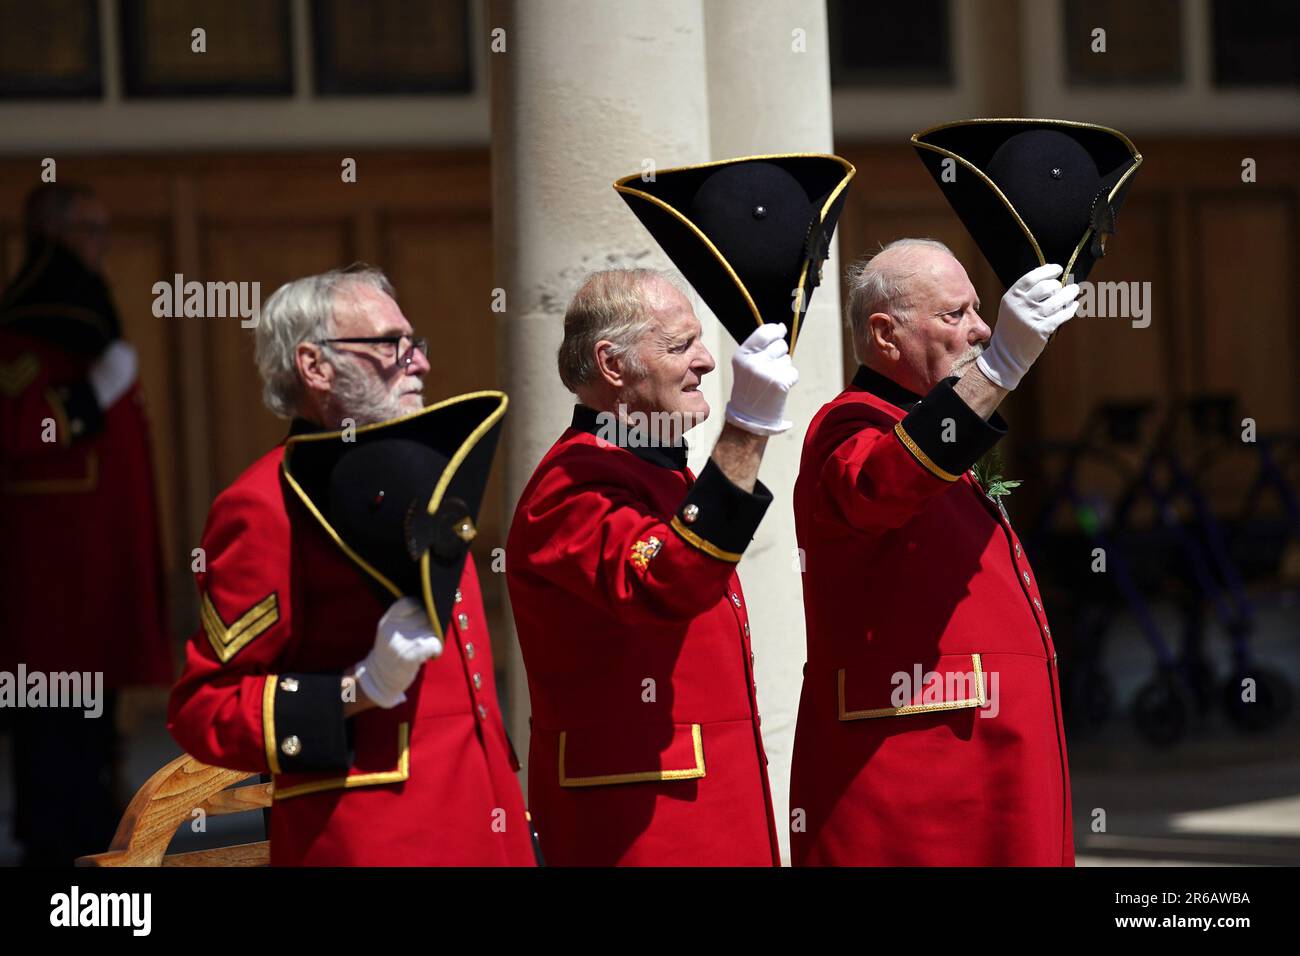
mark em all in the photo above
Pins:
pixel 81 580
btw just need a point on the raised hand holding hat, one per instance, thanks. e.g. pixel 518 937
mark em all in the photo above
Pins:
pixel 1030 312
pixel 762 375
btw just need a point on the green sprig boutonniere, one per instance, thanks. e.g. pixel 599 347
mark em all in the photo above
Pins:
pixel 988 472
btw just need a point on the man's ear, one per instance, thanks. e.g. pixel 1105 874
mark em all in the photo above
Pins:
pixel 314 369
pixel 882 331
pixel 608 364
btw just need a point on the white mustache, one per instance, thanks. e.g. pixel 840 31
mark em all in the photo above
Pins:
pixel 970 355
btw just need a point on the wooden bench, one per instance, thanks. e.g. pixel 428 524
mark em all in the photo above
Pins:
pixel 169 799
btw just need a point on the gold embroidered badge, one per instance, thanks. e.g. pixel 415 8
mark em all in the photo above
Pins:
pixel 643 551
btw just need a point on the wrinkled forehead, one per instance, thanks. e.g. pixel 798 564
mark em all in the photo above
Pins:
pixel 670 311
pixel 360 310
pixel 940 277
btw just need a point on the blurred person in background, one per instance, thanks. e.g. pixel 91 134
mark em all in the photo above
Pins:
pixel 81 575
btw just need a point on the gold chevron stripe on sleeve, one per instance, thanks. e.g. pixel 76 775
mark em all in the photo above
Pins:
pixel 228 639
pixel 15 376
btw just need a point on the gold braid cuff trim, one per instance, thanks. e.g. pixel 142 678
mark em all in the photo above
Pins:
pixel 921 456
pixel 710 549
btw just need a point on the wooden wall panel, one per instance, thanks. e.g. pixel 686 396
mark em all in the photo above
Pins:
pixel 1103 357
pixel 138 255
pixel 271 253
pixel 1245 252
pixel 442 269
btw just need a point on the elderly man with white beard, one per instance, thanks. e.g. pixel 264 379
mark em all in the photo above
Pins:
pixel 912 568
pixel 302 668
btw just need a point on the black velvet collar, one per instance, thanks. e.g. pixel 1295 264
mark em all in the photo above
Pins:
pixel 674 457
pixel 300 426
pixel 872 381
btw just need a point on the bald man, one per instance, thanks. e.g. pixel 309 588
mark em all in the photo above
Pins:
pixel 929 728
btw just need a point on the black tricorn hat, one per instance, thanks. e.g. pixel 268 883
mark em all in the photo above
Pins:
pixel 1033 191
pixel 402 498
pixel 750 234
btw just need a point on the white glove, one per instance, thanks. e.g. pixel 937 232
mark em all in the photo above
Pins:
pixel 113 372
pixel 762 376
pixel 1031 311
pixel 404 640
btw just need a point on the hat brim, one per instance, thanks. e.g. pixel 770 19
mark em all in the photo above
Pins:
pixel 659 206
pixel 989 216
pixel 464 429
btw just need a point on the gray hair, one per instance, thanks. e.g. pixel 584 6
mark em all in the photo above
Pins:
pixel 610 305
pixel 878 287
pixel 302 311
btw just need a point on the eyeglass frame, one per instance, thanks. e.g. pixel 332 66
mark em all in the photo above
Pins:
pixel 417 342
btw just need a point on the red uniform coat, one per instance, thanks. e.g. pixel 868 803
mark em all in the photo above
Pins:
pixel 912 569
pixel 81 578
pixel 645 746
pixel 429 782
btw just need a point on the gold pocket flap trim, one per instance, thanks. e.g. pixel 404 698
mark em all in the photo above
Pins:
pixel 978 701
pixel 347 782
pixel 643 776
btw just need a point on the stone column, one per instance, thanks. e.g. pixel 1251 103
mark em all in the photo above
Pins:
pixel 585 91
pixel 769 92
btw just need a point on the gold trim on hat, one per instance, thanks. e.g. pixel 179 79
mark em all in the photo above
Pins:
pixel 1038 252
pixel 620 186
pixel 443 481
pixel 1137 161
pixel 708 243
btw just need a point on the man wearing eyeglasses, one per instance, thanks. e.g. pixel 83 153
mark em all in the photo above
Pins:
pixel 302 671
